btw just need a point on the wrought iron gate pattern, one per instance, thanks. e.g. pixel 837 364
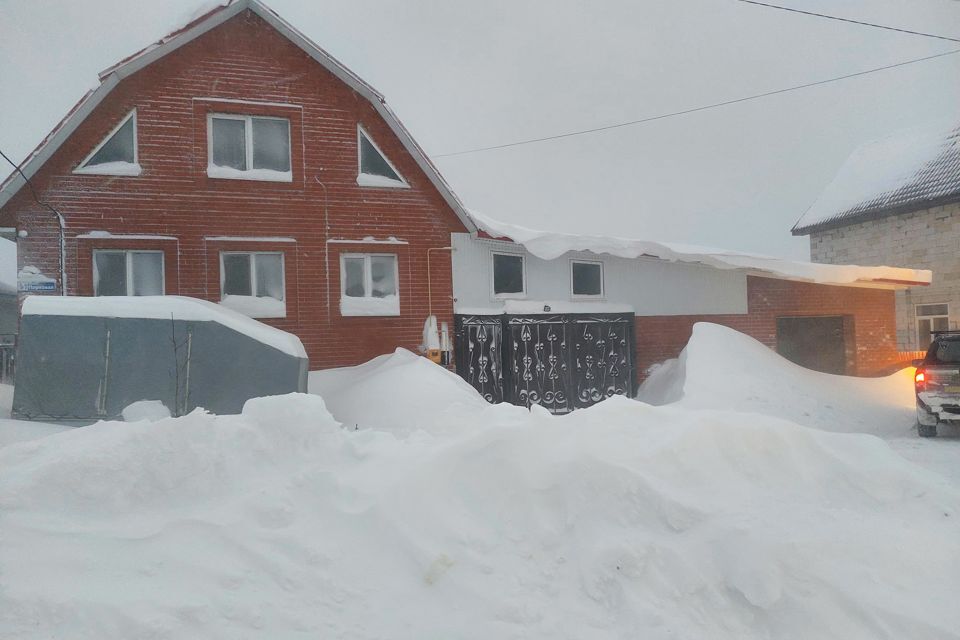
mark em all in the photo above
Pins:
pixel 560 361
pixel 478 354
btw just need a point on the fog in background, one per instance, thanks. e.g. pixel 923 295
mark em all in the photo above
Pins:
pixel 472 74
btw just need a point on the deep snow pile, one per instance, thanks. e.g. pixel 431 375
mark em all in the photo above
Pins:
pixel 400 391
pixel 624 520
pixel 723 369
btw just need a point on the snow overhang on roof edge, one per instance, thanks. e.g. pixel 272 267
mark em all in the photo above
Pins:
pixel 197 27
pixel 550 246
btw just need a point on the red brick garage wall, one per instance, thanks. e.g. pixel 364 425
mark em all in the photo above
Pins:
pixel 869 322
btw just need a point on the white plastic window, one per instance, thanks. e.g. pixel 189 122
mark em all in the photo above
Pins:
pixel 128 273
pixel 252 283
pixel 369 284
pixel 509 278
pixel 249 148
pixel 930 318
pixel 586 279
pixel 374 168
pixel 117 154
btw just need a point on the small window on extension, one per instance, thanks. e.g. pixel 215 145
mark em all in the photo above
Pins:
pixel 586 279
pixel 508 276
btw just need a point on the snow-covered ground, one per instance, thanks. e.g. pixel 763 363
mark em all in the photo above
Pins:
pixel 429 514
pixel 724 369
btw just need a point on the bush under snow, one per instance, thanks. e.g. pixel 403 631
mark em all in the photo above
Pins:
pixel 620 521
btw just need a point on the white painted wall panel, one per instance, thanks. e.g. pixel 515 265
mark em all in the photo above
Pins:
pixel 652 287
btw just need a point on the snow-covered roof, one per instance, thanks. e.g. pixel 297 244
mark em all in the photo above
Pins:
pixel 164 308
pixel 907 170
pixel 549 246
pixel 196 27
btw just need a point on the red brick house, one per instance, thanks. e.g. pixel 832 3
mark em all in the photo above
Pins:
pixel 238 162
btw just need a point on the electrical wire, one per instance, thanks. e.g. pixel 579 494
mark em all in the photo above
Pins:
pixel 705 107
pixel 850 20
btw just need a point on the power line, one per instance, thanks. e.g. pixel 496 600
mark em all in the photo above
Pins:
pixel 61 224
pixel 851 21
pixel 705 107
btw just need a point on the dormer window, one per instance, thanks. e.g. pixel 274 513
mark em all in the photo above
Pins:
pixel 116 155
pixel 248 148
pixel 375 169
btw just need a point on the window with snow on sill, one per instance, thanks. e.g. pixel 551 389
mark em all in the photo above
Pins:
pixel 116 155
pixel 249 148
pixel 374 168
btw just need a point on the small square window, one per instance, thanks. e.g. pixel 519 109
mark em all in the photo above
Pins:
pixel 369 285
pixel 930 318
pixel 586 279
pixel 249 148
pixel 253 283
pixel 127 273
pixel 508 275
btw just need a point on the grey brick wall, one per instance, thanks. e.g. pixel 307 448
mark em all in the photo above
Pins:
pixel 925 239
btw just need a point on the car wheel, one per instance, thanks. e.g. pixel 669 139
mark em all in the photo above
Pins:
pixel 927 430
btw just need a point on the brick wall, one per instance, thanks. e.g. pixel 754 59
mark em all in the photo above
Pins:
pixel 868 313
pixel 925 239
pixel 243 61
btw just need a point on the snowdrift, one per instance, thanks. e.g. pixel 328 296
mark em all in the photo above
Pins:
pixel 724 369
pixel 400 392
pixel 620 521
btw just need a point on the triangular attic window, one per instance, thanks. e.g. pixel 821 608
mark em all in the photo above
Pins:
pixel 117 154
pixel 375 169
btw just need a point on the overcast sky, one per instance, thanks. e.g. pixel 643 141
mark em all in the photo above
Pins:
pixel 472 74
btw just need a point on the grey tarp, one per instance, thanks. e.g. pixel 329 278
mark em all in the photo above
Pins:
pixel 86 368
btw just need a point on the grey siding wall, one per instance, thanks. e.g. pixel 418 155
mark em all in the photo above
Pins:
pixel 925 239
pixel 652 287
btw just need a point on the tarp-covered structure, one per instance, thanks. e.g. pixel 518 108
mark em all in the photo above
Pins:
pixel 86 359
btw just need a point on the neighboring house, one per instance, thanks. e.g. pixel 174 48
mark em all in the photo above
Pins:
pixel 896 201
pixel 237 162
pixel 562 320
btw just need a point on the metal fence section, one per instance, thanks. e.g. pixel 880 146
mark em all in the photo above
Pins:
pixel 559 361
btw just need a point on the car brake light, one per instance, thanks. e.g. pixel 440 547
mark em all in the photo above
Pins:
pixel 920 377
pixel 920 380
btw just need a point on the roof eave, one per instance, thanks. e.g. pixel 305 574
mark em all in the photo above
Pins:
pixel 883 212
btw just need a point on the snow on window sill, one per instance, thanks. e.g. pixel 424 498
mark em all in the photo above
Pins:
pixel 254 307
pixel 368 180
pixel 264 175
pixel 389 306
pixel 110 169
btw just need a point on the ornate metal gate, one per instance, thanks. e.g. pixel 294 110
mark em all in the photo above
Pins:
pixel 559 361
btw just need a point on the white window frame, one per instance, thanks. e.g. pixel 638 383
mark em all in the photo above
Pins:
pixel 98 170
pixel 603 284
pixel 253 270
pixel 918 318
pixel 128 258
pixel 371 180
pixel 263 175
pixel 523 266
pixel 368 274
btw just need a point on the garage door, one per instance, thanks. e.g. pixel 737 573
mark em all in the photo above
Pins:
pixel 815 342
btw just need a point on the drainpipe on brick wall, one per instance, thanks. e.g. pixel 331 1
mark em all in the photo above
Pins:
pixel 326 243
